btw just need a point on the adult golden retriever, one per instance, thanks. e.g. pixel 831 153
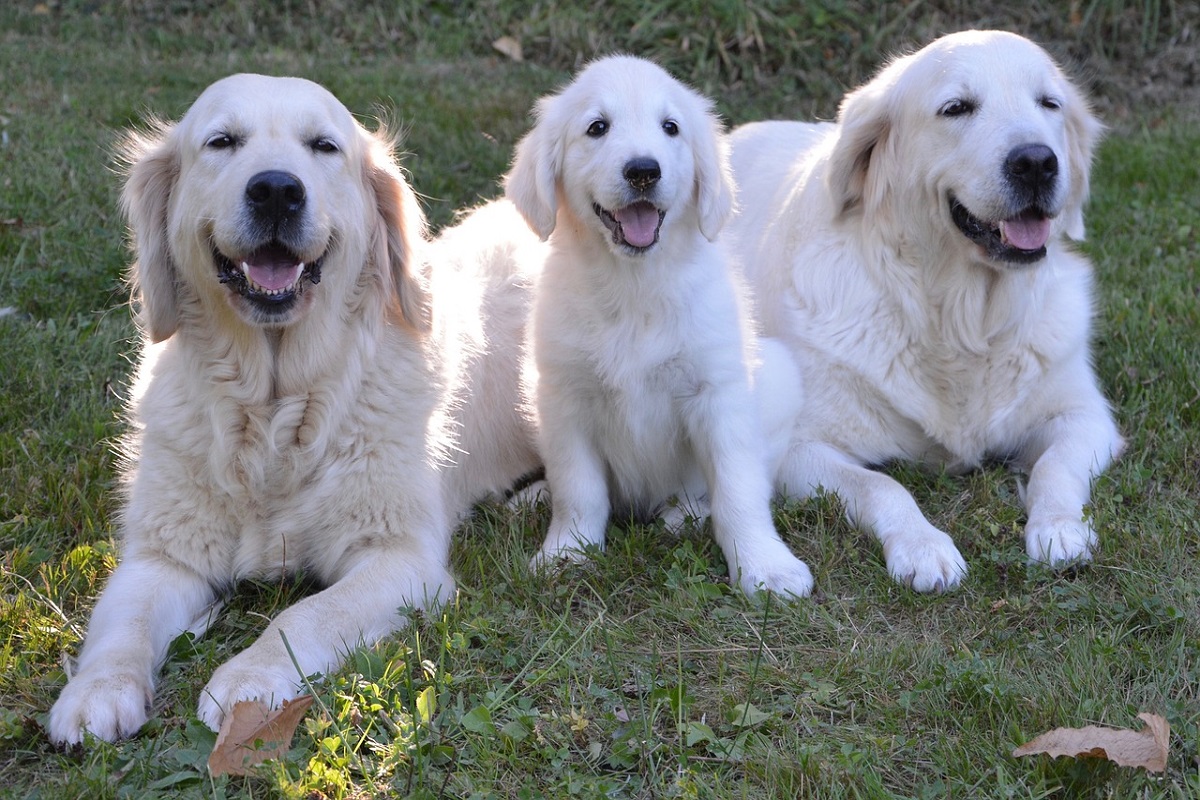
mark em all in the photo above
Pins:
pixel 915 256
pixel 310 396
pixel 646 358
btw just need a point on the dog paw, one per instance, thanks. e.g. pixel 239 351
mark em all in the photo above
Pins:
pixel 925 562
pixel 238 680
pixel 781 573
pixel 564 546
pixel 529 497
pixel 551 558
pixel 677 517
pixel 1059 541
pixel 110 707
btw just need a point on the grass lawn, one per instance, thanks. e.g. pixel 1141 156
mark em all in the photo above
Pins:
pixel 641 674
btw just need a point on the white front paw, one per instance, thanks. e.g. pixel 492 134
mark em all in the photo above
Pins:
pixel 677 514
pixel 242 679
pixel 777 571
pixel 109 706
pixel 1059 541
pixel 925 561
pixel 529 497
pixel 562 546
pixel 550 558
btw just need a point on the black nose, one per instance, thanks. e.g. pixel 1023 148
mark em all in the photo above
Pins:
pixel 275 195
pixel 1033 166
pixel 642 173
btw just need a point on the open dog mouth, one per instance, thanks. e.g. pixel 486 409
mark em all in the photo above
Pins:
pixel 635 226
pixel 1020 239
pixel 271 277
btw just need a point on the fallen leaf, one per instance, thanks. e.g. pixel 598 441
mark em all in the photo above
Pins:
pixel 510 47
pixel 1146 748
pixel 253 733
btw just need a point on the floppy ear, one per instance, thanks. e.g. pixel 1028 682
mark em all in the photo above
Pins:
pixel 1083 134
pixel 714 176
pixel 532 183
pixel 402 224
pixel 152 167
pixel 855 176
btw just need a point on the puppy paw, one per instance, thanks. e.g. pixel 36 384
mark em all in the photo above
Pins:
pixel 563 545
pixel 241 679
pixel 777 571
pixel 678 514
pixel 110 707
pixel 1059 541
pixel 529 497
pixel 925 562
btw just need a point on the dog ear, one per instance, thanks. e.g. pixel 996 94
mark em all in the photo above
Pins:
pixel 532 183
pixel 402 223
pixel 714 176
pixel 151 165
pixel 865 124
pixel 1084 131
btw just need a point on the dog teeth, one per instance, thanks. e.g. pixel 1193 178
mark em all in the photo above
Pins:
pixel 262 289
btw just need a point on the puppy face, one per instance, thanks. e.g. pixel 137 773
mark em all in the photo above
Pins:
pixel 266 188
pixel 628 152
pixel 990 134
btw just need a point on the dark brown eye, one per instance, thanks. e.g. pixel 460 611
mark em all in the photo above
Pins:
pixel 598 128
pixel 324 145
pixel 1050 103
pixel 221 141
pixel 670 127
pixel 957 107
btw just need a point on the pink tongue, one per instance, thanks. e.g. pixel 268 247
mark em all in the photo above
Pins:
pixel 272 271
pixel 1025 232
pixel 639 223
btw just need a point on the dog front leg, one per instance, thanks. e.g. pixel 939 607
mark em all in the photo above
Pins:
pixel 145 605
pixel 730 449
pixel 315 634
pixel 1066 453
pixel 579 500
pixel 918 555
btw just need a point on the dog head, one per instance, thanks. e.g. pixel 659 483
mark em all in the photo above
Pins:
pixel 978 136
pixel 626 150
pixel 266 197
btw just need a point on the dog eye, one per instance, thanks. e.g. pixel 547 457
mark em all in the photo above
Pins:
pixel 670 127
pixel 1048 102
pixel 221 141
pixel 323 145
pixel 598 128
pixel 956 108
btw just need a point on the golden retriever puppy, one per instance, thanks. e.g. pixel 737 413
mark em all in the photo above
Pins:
pixel 915 257
pixel 303 402
pixel 648 396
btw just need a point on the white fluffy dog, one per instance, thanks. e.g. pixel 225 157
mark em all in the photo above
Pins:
pixel 303 402
pixel 645 357
pixel 915 258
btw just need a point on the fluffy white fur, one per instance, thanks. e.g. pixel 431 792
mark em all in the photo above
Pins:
pixel 644 353
pixel 278 424
pixel 914 340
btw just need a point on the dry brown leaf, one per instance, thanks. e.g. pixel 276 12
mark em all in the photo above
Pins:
pixel 1146 748
pixel 253 733
pixel 510 47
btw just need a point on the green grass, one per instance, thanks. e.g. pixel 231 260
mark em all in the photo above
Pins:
pixel 641 674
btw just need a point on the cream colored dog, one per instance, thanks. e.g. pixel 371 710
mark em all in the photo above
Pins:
pixel 645 356
pixel 915 258
pixel 309 396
